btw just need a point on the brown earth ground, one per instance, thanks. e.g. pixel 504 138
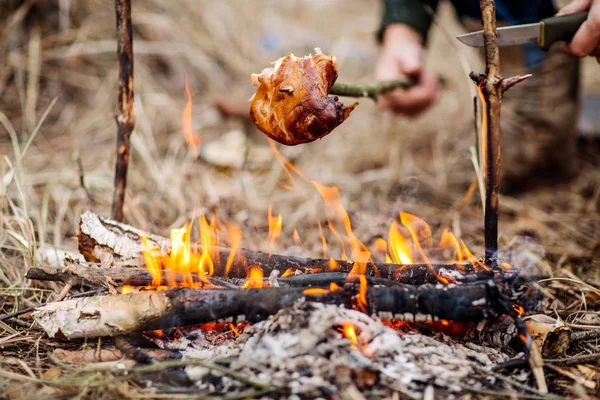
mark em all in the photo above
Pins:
pixel 60 71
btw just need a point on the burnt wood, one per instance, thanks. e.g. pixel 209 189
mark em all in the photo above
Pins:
pixel 120 314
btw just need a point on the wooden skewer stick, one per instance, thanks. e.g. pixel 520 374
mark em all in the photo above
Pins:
pixel 126 116
pixel 371 90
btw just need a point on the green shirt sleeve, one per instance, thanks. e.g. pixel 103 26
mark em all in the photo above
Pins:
pixel 418 14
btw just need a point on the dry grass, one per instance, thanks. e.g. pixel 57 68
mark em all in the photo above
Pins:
pixel 57 103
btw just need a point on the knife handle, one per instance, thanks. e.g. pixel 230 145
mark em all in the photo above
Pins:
pixel 560 29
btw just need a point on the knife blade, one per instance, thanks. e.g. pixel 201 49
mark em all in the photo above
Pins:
pixel 545 33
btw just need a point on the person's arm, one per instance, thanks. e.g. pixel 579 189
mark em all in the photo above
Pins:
pixel 586 41
pixel 402 35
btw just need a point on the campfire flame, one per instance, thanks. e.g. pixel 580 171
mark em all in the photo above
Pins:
pixel 190 264
pixel 192 139
pixel 254 278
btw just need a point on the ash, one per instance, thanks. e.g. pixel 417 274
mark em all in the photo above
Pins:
pixel 302 353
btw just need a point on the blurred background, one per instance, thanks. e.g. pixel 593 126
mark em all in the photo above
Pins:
pixel 58 91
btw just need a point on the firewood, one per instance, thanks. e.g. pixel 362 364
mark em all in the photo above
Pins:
pixel 116 244
pixel 114 315
pixel 553 339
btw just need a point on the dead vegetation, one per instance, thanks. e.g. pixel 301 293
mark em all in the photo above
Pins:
pixel 57 140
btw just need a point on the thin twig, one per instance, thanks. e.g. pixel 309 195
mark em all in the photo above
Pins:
pixel 126 116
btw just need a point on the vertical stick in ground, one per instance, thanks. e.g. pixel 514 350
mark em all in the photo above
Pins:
pixel 126 116
pixel 491 87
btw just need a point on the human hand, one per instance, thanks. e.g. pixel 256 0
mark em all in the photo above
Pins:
pixel 401 56
pixel 586 41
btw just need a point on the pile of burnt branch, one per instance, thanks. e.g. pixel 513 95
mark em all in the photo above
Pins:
pixel 392 292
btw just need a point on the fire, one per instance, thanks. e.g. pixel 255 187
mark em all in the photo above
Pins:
pixel 380 245
pixel 400 251
pixel 275 225
pixel 152 262
pixel 288 272
pixel 235 236
pixel 323 241
pixel 477 265
pixel 315 291
pixel 362 294
pixel 483 145
pixel 448 241
pixel 334 286
pixel 191 138
pixel 126 289
pixel 350 333
pixel 297 240
pixel 254 279
pixel 520 310
pixel 417 227
pixel 333 265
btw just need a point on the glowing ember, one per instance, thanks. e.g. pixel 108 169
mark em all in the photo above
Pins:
pixel 288 272
pixel 191 138
pixel 126 289
pixel 315 291
pixel 254 279
pixel 350 333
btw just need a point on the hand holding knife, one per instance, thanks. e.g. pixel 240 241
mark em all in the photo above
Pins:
pixel 545 33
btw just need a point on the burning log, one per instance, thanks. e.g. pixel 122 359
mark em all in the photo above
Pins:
pixel 120 314
pixel 110 242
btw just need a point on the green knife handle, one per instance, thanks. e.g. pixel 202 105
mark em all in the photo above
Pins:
pixel 560 29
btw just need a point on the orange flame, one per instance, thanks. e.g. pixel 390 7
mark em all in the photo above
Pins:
pixel 362 294
pixel 333 265
pixel 254 279
pixel 275 225
pixel 483 146
pixel 323 241
pixel 152 261
pixel 317 291
pixel 297 240
pixel 350 333
pixel 400 251
pixel 126 289
pixel 235 236
pixel 380 245
pixel 331 196
pixel 520 310
pixel 477 265
pixel 417 227
pixel 334 287
pixel 191 138
pixel 288 272
pixel 448 241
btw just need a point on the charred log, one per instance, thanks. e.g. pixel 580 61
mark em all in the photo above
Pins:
pixel 120 314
